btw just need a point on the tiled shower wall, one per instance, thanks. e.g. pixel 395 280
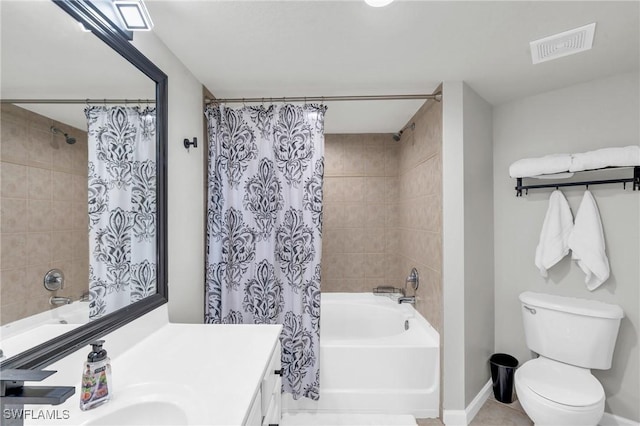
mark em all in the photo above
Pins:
pixel 359 220
pixel 43 202
pixel 383 211
pixel 420 209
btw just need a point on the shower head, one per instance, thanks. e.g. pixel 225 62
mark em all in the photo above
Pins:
pixel 70 139
pixel 397 136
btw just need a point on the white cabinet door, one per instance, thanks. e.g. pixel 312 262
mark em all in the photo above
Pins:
pixel 255 413
pixel 266 408
pixel 272 390
pixel 273 412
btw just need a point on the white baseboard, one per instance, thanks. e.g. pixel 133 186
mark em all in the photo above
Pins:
pixel 454 417
pixel 464 417
pixel 612 420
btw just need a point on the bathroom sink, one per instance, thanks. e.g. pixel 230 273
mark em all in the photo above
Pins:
pixel 145 413
pixel 148 404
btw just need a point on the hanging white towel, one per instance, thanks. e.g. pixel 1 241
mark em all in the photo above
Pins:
pixel 554 237
pixel 528 167
pixel 587 243
pixel 606 157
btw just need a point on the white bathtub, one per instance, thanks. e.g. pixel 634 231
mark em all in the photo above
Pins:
pixel 369 362
pixel 25 333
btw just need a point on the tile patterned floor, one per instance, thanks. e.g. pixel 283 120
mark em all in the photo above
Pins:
pixel 341 419
pixel 492 413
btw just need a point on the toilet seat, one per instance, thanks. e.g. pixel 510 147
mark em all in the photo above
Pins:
pixel 561 384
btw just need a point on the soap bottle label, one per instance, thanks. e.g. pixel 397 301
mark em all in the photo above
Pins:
pixel 95 386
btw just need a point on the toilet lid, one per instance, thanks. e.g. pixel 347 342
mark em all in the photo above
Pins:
pixel 561 383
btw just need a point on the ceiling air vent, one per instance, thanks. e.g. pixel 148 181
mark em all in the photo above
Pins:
pixel 563 44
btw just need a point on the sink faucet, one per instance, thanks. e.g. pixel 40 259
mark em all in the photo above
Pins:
pixel 59 300
pixel 14 394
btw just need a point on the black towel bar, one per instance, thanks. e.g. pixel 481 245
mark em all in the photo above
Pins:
pixel 635 180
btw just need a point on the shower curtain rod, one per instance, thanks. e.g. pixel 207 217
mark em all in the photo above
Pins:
pixel 434 96
pixel 78 101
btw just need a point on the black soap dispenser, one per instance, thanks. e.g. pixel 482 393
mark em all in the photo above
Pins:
pixel 96 378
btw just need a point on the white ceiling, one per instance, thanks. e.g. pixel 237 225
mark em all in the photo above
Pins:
pixel 45 55
pixel 322 48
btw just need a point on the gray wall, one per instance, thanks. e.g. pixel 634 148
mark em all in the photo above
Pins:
pixel 579 118
pixel 453 245
pixel 478 242
pixel 185 183
pixel 467 242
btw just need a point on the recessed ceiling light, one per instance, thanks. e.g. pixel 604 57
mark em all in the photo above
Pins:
pixel 378 3
pixel 563 44
pixel 134 15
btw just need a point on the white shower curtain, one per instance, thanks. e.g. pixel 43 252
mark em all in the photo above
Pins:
pixel 122 206
pixel 264 228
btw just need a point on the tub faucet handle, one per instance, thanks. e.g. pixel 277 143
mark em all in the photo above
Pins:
pixel 54 280
pixel 414 279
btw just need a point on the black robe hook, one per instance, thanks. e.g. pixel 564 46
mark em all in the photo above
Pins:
pixel 194 143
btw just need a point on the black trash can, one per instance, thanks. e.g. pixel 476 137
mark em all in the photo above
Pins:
pixel 503 368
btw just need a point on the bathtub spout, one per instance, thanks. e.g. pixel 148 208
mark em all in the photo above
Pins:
pixel 58 300
pixel 407 299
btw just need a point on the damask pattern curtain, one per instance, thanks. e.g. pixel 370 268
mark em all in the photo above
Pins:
pixel 122 206
pixel 264 228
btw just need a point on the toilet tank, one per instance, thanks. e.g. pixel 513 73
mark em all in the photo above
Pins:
pixel 575 331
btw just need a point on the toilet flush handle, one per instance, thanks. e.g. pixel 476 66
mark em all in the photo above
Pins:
pixel 533 311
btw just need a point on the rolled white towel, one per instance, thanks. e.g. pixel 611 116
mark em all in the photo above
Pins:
pixel 557 226
pixel 607 157
pixel 587 243
pixel 564 175
pixel 529 167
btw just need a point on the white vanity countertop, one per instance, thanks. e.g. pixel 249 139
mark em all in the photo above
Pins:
pixel 212 371
pixel 222 363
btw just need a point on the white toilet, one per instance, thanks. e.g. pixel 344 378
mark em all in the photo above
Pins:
pixel 571 336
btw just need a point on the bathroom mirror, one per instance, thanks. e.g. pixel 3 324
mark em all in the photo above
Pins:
pixel 148 80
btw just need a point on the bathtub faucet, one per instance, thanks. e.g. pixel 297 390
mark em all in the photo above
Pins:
pixel 59 300
pixel 414 279
pixel 407 299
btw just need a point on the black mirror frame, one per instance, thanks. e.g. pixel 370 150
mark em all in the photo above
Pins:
pixel 50 351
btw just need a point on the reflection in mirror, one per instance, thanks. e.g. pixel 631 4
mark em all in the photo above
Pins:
pixel 49 187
